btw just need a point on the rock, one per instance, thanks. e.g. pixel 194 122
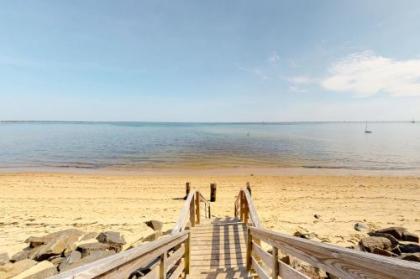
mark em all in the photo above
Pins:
pixel 89 248
pixel 56 246
pixel 304 235
pixel 113 239
pixel 396 232
pixel 68 233
pixel 360 227
pixel 74 257
pixel 382 252
pixel 370 243
pixel 56 260
pixel 35 241
pixel 415 257
pixel 90 258
pixel 42 270
pixel 154 225
pixel 407 236
pixel 409 248
pixel 88 236
pixel 396 250
pixel 393 240
pixel 71 260
pixel 12 269
pixel 4 258
pixel 24 254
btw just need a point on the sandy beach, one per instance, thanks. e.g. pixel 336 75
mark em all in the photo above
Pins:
pixel 40 203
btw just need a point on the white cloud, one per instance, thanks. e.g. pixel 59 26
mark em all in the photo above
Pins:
pixel 366 74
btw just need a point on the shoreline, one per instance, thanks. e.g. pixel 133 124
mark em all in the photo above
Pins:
pixel 219 171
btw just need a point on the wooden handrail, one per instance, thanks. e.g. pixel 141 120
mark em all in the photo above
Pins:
pixel 153 255
pixel 341 262
pixel 245 209
pixel 123 264
pixel 191 211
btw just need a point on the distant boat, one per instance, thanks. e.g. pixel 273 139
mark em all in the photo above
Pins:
pixel 413 121
pixel 366 129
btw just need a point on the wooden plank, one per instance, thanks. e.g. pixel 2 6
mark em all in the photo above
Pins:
pixel 192 212
pixel 342 262
pixel 258 252
pixel 252 211
pixel 162 266
pixel 153 274
pixel 249 251
pixel 183 216
pixel 174 258
pixel 275 263
pixel 286 271
pixel 122 264
pixel 187 255
pixel 177 272
pixel 259 270
pixel 197 207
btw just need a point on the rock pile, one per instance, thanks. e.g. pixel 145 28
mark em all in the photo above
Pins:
pixel 392 242
pixel 63 250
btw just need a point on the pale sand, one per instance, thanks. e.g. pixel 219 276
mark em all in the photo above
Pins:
pixel 39 203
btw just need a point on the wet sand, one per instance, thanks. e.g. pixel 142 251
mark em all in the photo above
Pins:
pixel 42 202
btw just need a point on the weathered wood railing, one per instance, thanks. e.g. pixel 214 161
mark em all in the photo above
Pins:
pixel 165 258
pixel 191 211
pixel 338 261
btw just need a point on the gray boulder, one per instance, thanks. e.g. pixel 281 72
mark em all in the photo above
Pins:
pixel 372 243
pixel 88 259
pixel 114 239
pixel 90 248
pixel 407 236
pixel 409 248
pixel 393 240
pixel 154 225
pixel 415 257
pixel 396 232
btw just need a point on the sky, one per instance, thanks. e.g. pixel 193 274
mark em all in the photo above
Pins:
pixel 210 61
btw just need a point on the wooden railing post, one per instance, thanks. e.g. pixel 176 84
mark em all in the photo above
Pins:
pixel 275 269
pixel 197 206
pixel 241 205
pixel 187 190
pixel 209 211
pixel 249 251
pixel 162 267
pixel 248 187
pixel 187 257
pixel 213 188
pixel 192 212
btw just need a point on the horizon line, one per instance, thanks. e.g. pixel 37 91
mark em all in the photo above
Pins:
pixel 206 122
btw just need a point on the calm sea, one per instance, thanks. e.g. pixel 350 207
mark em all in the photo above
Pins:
pixel 131 145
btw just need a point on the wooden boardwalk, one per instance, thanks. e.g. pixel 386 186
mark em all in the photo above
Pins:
pixel 232 247
pixel 218 249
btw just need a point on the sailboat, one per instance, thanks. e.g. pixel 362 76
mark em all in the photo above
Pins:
pixel 366 129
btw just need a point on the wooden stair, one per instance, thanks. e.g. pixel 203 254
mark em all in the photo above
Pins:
pixel 218 249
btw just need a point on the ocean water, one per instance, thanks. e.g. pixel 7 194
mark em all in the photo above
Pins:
pixel 136 145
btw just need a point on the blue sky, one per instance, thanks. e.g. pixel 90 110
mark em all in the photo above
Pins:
pixel 209 60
